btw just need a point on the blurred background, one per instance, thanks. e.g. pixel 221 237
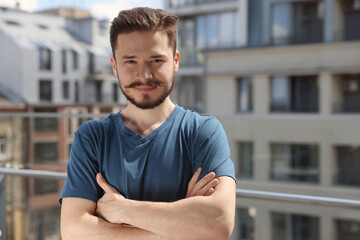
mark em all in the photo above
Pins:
pixel 283 77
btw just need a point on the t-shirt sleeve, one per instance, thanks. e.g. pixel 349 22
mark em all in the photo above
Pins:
pixel 212 151
pixel 82 168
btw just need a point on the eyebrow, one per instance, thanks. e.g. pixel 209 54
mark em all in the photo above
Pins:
pixel 133 56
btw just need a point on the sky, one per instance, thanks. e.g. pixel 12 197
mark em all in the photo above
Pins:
pixel 99 8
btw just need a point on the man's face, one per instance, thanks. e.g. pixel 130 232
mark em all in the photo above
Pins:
pixel 145 67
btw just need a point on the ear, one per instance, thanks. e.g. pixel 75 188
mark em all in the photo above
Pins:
pixel 176 61
pixel 113 65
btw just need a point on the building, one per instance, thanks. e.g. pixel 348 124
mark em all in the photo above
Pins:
pixel 55 61
pixel 286 88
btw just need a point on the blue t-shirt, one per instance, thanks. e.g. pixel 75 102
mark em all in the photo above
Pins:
pixel 157 167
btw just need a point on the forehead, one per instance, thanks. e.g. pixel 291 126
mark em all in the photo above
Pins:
pixel 143 43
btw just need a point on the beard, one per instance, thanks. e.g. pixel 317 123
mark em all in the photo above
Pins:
pixel 145 102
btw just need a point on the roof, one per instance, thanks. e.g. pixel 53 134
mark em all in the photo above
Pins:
pixel 34 30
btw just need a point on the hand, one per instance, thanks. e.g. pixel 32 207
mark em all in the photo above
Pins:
pixel 205 187
pixel 108 207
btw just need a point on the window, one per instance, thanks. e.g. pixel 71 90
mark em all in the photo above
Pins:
pixel 347 89
pixel 186 42
pixel 245 160
pixel 47 186
pixel 189 93
pixel 65 89
pixel 45 58
pixel 351 19
pixel 213 30
pixel 245 221
pixel 12 23
pixel 91 63
pixel 295 227
pixel 347 165
pixel 46 124
pixel 75 57
pixel 70 130
pixel 63 56
pixel 45 90
pixel 347 229
pixel 297 22
pixel 294 94
pixel 77 94
pixel 115 92
pixel 98 91
pixel 44 223
pixel 46 152
pixel 295 162
pixel 2 147
pixel 244 103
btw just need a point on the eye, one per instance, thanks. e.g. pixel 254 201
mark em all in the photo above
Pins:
pixel 130 62
pixel 157 60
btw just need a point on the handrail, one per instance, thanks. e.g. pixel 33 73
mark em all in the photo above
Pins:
pixel 53 114
pixel 246 193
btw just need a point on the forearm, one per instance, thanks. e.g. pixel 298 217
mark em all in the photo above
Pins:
pixel 90 227
pixel 191 218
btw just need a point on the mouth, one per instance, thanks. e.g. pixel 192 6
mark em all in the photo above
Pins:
pixel 145 89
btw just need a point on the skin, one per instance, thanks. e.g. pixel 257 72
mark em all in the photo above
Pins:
pixel 208 210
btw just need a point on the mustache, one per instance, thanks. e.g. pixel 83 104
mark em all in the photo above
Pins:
pixel 151 83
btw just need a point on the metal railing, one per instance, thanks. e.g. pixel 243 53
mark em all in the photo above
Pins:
pixel 246 193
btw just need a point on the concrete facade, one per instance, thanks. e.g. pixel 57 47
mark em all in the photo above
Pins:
pixel 329 61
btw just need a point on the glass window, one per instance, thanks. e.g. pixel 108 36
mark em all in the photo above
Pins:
pixel 98 91
pixel 187 42
pixel 294 94
pixel 45 59
pixel 201 32
pixel 91 63
pixel 244 103
pixel 77 94
pixel 347 229
pixel 45 124
pixel 44 223
pixel 245 222
pixel 70 129
pixel 115 92
pixel 46 152
pixel 45 90
pixel 45 186
pixel 295 162
pixel 65 89
pixel 227 24
pixel 280 94
pixel 63 56
pixel 212 30
pixel 2 147
pixel 189 93
pixel 348 165
pixel 75 58
pixel 295 227
pixel 281 23
pixel 245 154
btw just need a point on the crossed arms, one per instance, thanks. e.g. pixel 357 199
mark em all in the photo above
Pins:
pixel 207 212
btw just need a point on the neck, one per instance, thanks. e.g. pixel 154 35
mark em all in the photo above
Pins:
pixel 144 121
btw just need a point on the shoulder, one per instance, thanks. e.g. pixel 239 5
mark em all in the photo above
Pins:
pixel 200 125
pixel 94 128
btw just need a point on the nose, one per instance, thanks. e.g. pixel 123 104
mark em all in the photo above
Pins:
pixel 145 72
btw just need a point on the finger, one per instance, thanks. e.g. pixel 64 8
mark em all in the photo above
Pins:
pixel 207 187
pixel 104 184
pixel 210 191
pixel 204 181
pixel 193 180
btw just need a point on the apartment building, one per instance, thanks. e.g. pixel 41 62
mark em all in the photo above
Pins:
pixel 283 77
pixel 55 61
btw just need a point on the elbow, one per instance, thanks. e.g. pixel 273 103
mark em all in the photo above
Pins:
pixel 220 229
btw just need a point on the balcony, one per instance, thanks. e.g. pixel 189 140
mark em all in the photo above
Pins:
pixel 32 211
pixel 31 178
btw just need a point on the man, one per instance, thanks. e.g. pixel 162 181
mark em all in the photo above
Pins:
pixel 134 174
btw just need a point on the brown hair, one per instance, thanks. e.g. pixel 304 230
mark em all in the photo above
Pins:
pixel 144 19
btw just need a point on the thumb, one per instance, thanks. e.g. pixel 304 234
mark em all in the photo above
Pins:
pixel 104 184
